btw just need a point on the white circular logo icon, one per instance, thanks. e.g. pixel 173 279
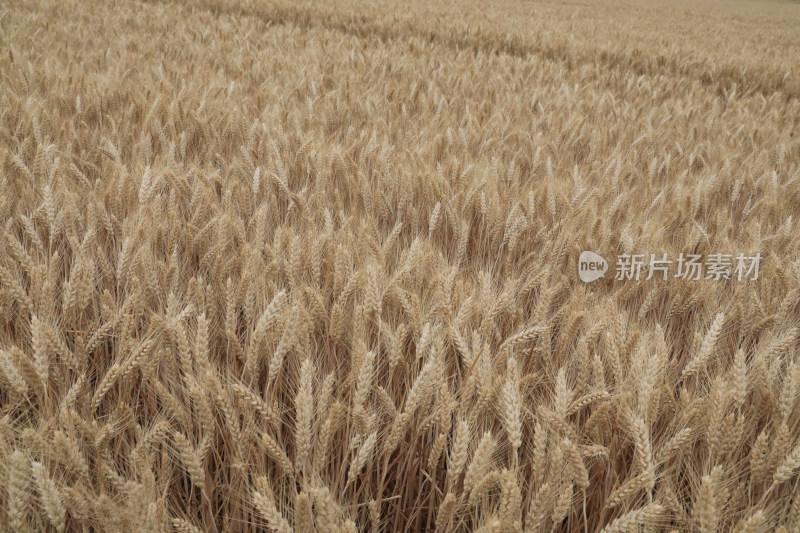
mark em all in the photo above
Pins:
pixel 591 266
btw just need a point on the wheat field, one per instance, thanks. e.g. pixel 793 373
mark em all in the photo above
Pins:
pixel 275 265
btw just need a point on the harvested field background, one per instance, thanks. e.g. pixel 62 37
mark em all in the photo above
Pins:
pixel 304 266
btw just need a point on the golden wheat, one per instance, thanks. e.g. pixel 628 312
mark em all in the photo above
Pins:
pixel 294 266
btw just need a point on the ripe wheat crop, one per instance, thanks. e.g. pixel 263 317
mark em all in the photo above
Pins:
pixel 269 265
